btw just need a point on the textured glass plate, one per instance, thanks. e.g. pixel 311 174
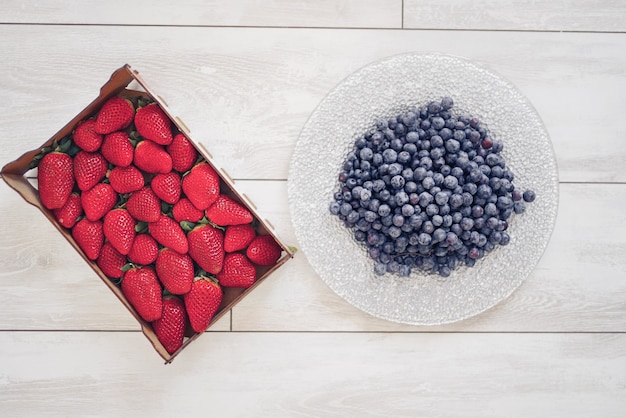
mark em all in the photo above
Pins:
pixel 384 89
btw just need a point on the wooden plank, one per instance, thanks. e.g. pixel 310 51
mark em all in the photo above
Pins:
pixel 330 375
pixel 568 15
pixel 246 93
pixel 308 13
pixel 46 284
pixel 578 285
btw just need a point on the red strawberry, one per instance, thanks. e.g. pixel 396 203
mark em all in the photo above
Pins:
pixel 201 185
pixel 226 211
pixel 238 271
pixel 263 250
pixel 152 158
pixel 115 114
pixel 168 233
pixel 152 123
pixel 98 200
pixel 144 205
pixel 141 288
pixel 69 213
pixel 170 328
pixel 206 247
pixel 202 302
pixel 144 250
pixel 89 169
pixel 175 271
pixel 183 153
pixel 238 237
pixel 117 149
pixel 126 179
pixel 119 229
pixel 89 237
pixel 86 137
pixel 167 187
pixel 184 210
pixel 56 179
pixel 111 261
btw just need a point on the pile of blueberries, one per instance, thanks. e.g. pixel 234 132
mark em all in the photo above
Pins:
pixel 427 190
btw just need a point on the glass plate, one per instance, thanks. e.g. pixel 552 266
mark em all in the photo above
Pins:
pixel 384 89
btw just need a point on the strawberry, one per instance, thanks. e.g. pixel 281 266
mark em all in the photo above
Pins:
pixel 152 123
pixel 89 237
pixel 89 169
pixel 170 327
pixel 184 210
pixel 98 200
pixel 175 271
pixel 126 179
pixel 56 179
pixel 144 205
pixel 201 185
pixel 141 288
pixel 226 211
pixel 115 114
pixel 168 233
pixel 152 158
pixel 206 247
pixel 183 153
pixel 117 149
pixel 167 187
pixel 238 237
pixel 119 229
pixel 111 261
pixel 86 137
pixel 238 271
pixel 202 302
pixel 144 250
pixel 70 212
pixel 263 250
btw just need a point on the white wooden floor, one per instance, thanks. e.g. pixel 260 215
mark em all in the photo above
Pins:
pixel 244 76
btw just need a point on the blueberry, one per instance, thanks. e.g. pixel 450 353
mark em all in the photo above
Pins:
pixel 456 200
pixel 419 174
pixel 334 208
pixel 384 210
pixel 424 239
pixel 445 134
pixel 447 103
pixel 436 141
pixel 437 220
pixel 380 268
pixel 519 207
pixel 506 238
pixel 412 137
pixel 404 157
pixel 398 220
pixel 428 183
pixel 450 182
pixel 366 154
pixel 442 198
pixel 452 145
pixel 529 196
pixel 389 156
pixel 434 108
pixel 395 169
pixel 345 209
pixel 437 123
pixel 504 202
pixel 397 182
pixel 432 209
pixel 353 216
pixel 408 210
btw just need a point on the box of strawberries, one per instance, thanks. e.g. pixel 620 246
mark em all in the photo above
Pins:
pixel 163 228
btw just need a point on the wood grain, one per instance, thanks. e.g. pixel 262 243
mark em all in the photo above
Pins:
pixel 307 13
pixel 246 93
pixel 330 375
pixel 568 15
pixel 579 285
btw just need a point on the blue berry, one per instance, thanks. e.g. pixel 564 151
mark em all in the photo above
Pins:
pixel 529 196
